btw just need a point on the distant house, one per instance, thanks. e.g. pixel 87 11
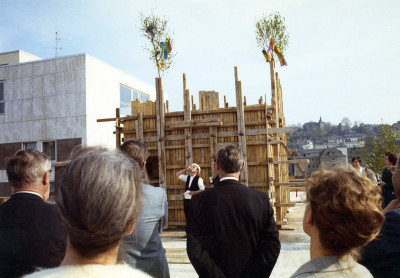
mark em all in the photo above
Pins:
pixel 326 158
pixel 53 104
pixel 310 126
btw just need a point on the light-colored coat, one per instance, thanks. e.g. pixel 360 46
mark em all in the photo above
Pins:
pixel 143 248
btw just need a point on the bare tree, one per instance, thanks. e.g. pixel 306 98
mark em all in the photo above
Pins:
pixel 159 43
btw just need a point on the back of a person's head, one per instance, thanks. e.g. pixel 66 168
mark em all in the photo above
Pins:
pixel 98 197
pixel 26 168
pixel 346 209
pixel 230 159
pixel 135 150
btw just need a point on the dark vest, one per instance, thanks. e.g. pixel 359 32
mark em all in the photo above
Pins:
pixel 195 183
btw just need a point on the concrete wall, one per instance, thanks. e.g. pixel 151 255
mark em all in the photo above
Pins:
pixel 44 100
pixel 17 56
pixel 103 97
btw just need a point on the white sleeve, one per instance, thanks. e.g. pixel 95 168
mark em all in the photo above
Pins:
pixel 183 178
pixel 201 184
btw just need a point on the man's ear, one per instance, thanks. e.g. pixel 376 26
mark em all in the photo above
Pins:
pixel 129 227
pixel 309 217
pixel 143 166
pixel 46 178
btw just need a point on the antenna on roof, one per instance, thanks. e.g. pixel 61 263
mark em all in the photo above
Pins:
pixel 57 39
pixel 57 48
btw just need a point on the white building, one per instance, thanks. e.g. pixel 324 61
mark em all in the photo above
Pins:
pixel 53 104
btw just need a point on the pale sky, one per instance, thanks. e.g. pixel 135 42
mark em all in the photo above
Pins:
pixel 343 55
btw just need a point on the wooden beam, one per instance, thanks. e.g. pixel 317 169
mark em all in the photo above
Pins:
pixel 290 183
pixel 300 160
pixel 187 116
pixel 139 128
pixel 288 205
pixel 117 129
pixel 194 123
pixel 160 133
pixel 241 127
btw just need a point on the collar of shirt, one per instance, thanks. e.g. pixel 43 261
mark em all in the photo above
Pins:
pixel 228 178
pixel 30 192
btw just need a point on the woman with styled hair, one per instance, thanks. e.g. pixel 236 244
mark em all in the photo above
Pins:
pixel 343 213
pixel 386 183
pixel 98 201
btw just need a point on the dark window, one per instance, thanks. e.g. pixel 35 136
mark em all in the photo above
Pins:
pixel 29 145
pixel 2 104
pixel 49 148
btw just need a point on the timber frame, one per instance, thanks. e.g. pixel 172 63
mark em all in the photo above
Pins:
pixel 177 139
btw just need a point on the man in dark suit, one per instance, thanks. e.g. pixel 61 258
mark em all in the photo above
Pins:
pixel 234 232
pixel 382 255
pixel 31 235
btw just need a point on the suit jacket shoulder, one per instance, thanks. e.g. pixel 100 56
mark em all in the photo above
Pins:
pixel 31 235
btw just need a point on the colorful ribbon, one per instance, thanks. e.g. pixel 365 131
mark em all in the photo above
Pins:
pixel 166 46
pixel 271 45
pixel 151 30
pixel 278 52
pixel 266 55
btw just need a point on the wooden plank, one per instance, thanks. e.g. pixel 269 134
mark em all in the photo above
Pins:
pixel 288 205
pixel 194 123
pixel 281 130
pixel 117 129
pixel 300 160
pixel 289 183
pixel 175 197
pixel 303 173
pixel 160 133
pixel 241 127
pixel 187 116
pixel 139 126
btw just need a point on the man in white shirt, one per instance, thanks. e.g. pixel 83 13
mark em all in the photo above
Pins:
pixel 194 185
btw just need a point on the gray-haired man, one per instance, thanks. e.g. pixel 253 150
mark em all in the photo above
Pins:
pixel 234 233
pixel 31 235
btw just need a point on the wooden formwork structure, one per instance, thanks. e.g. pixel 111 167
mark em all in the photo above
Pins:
pixel 177 139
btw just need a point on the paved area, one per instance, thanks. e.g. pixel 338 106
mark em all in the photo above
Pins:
pixel 294 250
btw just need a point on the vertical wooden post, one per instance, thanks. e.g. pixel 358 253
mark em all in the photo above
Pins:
pixel 193 105
pixel 241 127
pixel 267 141
pixel 226 105
pixel 161 133
pixel 276 147
pixel 187 116
pixel 117 129
pixel 139 127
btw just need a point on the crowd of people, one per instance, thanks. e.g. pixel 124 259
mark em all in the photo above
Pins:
pixel 107 219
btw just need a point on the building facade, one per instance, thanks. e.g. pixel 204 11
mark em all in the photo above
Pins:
pixel 53 104
pixel 318 159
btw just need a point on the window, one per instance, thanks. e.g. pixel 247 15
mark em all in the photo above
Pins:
pixel 49 148
pixel 127 95
pixel 29 145
pixel 2 108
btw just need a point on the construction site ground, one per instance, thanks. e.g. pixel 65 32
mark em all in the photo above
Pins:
pixel 295 246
